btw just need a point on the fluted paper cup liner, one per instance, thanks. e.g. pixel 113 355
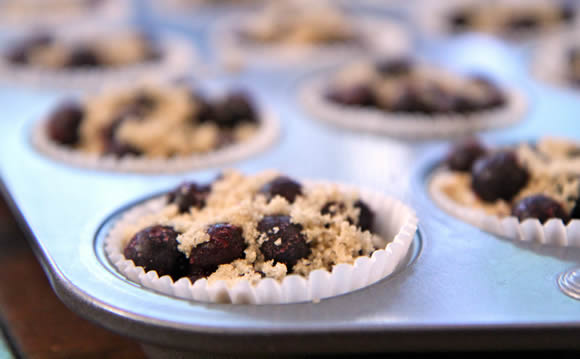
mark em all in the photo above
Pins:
pixel 109 11
pixel 266 134
pixel 408 125
pixel 395 223
pixel 550 61
pixel 432 18
pixel 553 232
pixel 376 36
pixel 177 58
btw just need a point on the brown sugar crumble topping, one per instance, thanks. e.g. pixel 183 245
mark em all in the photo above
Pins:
pixel 245 228
pixel 401 85
pixel 154 121
pixel 529 181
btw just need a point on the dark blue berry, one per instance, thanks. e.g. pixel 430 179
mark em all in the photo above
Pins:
pixel 285 243
pixel 540 207
pixel 225 245
pixel 155 248
pixel 498 176
pixel 282 186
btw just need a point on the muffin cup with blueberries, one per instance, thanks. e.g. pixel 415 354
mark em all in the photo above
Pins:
pixel 512 19
pixel 155 127
pixel 403 97
pixel 527 192
pixel 556 60
pixel 261 239
pixel 18 15
pixel 92 57
pixel 293 33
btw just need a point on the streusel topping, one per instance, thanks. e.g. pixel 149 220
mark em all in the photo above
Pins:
pixel 326 216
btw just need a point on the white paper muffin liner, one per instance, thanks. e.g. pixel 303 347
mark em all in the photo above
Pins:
pixel 408 125
pixel 110 11
pixel 431 18
pixel 266 134
pixel 177 58
pixel 553 232
pixel 394 221
pixel 550 59
pixel 378 37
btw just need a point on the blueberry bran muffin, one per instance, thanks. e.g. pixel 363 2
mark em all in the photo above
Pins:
pixel 539 181
pixel 251 227
pixel 153 121
pixel 47 50
pixel 401 85
pixel 504 18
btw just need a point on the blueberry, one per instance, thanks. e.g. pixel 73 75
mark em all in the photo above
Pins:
pixel 366 216
pixel 359 95
pixel 285 243
pixel 524 22
pixel 498 176
pixel 235 109
pixel 64 122
pixel 142 104
pixel 540 207
pixel 19 52
pixel 395 67
pixel 493 95
pixel 189 195
pixel 460 20
pixel 464 154
pixel 112 145
pixel 407 100
pixel 83 57
pixel 155 248
pixel 332 208
pixel 567 12
pixel 434 99
pixel 282 186
pixel 425 98
pixel 225 245
pixel 120 149
pixel 205 111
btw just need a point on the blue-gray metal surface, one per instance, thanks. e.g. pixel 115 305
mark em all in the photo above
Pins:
pixel 465 290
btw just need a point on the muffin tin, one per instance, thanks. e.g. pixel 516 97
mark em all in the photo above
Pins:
pixel 461 288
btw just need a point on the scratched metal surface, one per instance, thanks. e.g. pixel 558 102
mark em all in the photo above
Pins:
pixel 464 289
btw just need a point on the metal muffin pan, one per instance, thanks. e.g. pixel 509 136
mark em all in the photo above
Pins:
pixel 462 289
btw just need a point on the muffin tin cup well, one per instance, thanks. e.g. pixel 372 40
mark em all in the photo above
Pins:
pixel 554 232
pixel 550 60
pixel 378 37
pixel 407 125
pixel 265 136
pixel 394 221
pixel 431 16
pixel 177 58
pixel 110 11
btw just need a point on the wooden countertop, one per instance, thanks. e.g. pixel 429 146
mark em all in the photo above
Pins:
pixel 35 323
